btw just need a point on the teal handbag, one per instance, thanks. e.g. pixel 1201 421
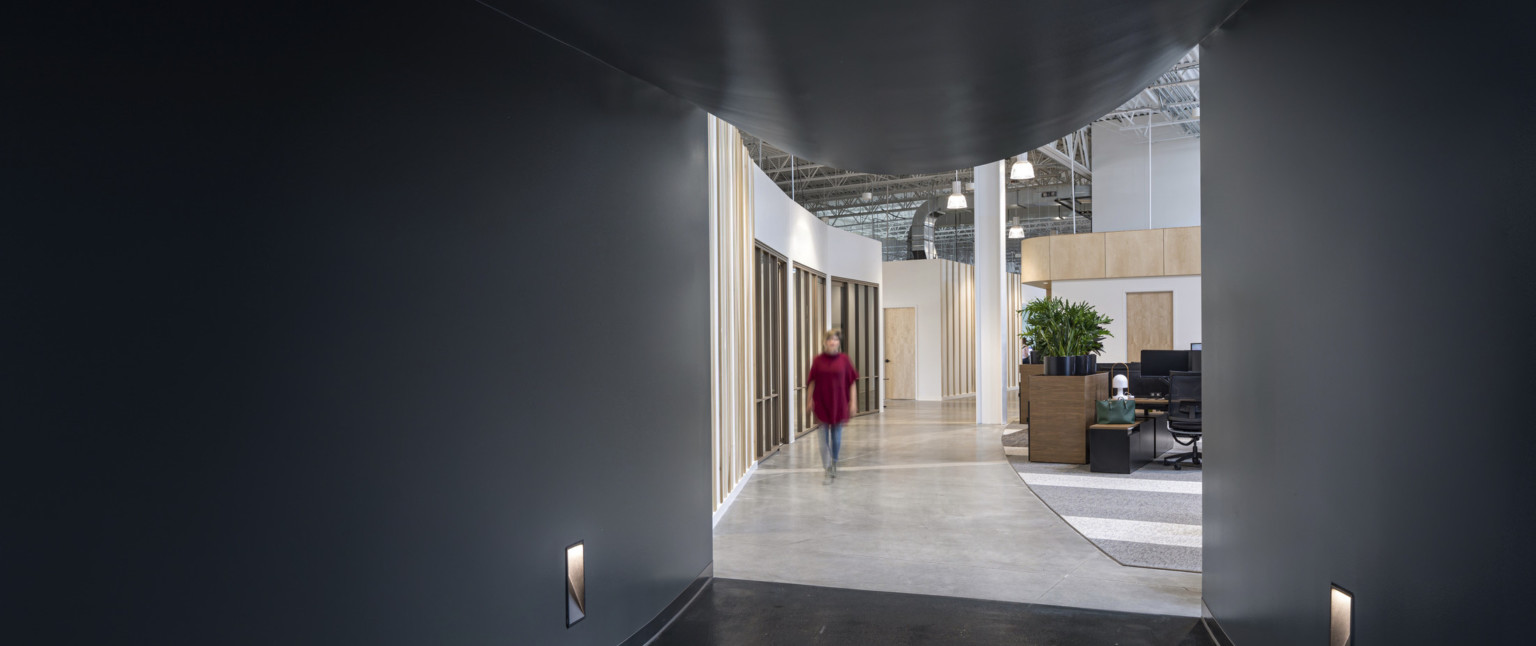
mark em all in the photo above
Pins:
pixel 1117 411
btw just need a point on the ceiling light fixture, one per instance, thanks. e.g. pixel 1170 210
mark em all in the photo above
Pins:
pixel 1016 231
pixel 956 198
pixel 1022 169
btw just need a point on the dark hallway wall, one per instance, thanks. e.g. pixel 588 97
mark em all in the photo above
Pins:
pixel 1366 246
pixel 335 325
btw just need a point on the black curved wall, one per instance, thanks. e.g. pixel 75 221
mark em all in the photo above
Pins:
pixel 335 325
pixel 1366 251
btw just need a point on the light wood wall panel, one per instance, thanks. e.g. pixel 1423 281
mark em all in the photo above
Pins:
pixel 1181 251
pixel 957 292
pixel 1015 326
pixel 1129 254
pixel 1035 259
pixel 1077 256
pixel 1113 254
pixel 901 350
pixel 1148 322
pixel 733 266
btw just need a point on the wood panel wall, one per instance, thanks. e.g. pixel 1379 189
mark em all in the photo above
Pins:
pixel 1015 327
pixel 733 263
pixel 1112 254
pixel 957 328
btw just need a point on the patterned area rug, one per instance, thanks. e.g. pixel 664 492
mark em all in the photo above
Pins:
pixel 1150 518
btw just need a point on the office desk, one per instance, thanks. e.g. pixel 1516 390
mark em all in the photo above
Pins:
pixel 1162 438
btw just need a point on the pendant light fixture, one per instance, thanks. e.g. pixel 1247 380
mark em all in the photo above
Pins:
pixel 1017 231
pixel 956 198
pixel 1022 169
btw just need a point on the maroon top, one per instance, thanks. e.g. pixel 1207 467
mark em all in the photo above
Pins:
pixel 832 374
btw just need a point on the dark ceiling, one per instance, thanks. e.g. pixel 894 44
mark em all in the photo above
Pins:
pixel 895 86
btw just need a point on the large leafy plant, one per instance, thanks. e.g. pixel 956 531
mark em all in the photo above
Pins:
pixel 1057 327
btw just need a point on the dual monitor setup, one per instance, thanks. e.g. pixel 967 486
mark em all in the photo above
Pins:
pixel 1160 364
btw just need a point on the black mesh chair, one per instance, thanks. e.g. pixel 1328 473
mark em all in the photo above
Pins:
pixel 1184 418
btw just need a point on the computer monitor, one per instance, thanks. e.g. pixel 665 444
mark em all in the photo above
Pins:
pixel 1158 363
pixel 1195 346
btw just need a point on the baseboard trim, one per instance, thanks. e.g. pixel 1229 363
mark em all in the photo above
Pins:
pixel 731 497
pixel 1213 627
pixel 659 623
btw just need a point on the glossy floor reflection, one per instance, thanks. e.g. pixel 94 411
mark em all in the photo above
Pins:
pixel 926 503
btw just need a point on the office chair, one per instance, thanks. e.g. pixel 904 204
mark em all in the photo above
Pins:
pixel 1184 418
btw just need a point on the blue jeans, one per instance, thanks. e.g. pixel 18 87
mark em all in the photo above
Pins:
pixel 831 440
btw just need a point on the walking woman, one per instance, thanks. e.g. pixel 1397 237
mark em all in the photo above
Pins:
pixel 831 396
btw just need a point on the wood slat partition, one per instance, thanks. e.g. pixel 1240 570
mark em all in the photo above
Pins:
pixel 731 305
pixel 1015 327
pixel 772 353
pixel 957 292
pixel 856 310
pixel 810 323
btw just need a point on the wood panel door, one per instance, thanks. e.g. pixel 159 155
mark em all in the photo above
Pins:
pixel 901 352
pixel 810 323
pixel 1148 323
pixel 771 331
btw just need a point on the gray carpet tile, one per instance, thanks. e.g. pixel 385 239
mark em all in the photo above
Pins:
pixel 1120 504
pixel 1180 508
pixel 1166 557
pixel 1155 470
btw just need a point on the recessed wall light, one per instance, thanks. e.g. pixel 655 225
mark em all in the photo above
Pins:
pixel 1341 623
pixel 575 584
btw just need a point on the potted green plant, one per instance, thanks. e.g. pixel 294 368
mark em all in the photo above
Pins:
pixel 1095 331
pixel 1049 331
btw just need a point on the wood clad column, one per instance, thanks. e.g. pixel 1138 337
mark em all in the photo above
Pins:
pixel 732 276
pixel 989 346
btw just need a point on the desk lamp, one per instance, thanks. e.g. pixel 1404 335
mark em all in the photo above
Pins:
pixel 1121 384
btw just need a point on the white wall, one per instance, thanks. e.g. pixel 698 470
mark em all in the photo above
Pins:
pixel 793 231
pixel 1108 295
pixel 1120 187
pixel 915 283
pixel 786 227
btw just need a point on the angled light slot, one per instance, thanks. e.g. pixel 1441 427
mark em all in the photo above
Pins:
pixel 1341 624
pixel 575 584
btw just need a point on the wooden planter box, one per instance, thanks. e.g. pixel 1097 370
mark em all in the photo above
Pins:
pixel 1026 371
pixel 1060 411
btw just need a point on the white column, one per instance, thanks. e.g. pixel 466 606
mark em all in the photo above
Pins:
pixel 991 298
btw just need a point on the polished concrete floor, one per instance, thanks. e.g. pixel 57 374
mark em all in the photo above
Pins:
pixel 753 613
pixel 926 503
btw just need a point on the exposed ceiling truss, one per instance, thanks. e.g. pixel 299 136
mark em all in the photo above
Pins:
pixel 839 196
pixel 882 206
pixel 1167 109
